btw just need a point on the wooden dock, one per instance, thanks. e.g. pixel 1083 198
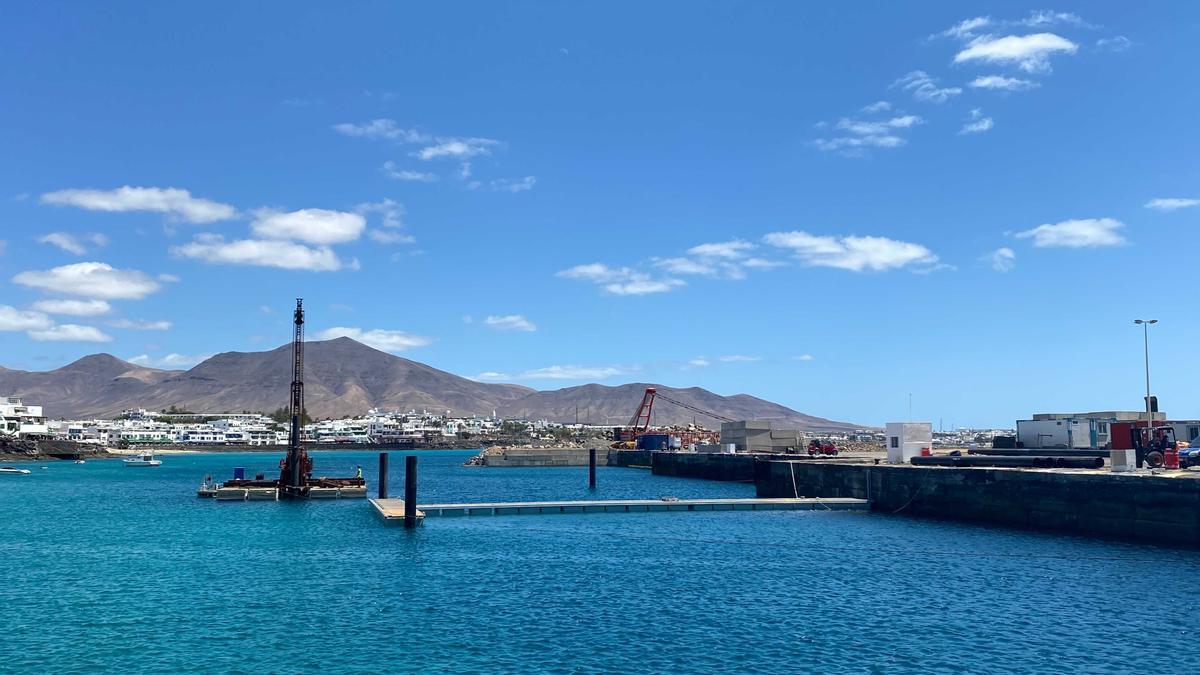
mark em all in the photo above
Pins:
pixel 393 509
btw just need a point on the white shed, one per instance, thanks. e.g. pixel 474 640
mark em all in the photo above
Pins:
pixel 906 440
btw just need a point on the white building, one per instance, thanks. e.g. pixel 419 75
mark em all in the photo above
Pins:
pixel 1075 430
pixel 18 419
pixel 906 440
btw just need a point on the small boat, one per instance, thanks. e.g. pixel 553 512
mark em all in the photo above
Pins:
pixel 13 470
pixel 79 461
pixel 142 460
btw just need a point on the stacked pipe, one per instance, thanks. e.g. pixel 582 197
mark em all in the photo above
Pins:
pixel 1043 462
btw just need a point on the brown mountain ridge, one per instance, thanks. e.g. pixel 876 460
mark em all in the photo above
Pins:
pixel 344 377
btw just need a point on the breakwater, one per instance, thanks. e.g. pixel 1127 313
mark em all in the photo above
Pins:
pixel 538 457
pixel 1150 508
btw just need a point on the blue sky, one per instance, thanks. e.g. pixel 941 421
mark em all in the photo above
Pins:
pixel 829 206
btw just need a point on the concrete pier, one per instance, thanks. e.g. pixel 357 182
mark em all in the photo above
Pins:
pixel 393 509
pixel 1163 508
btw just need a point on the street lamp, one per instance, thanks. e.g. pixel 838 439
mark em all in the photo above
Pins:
pixel 1145 324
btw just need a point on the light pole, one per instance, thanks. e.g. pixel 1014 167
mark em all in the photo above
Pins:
pixel 1145 324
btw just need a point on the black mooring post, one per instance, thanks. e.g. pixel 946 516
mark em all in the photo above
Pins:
pixel 592 468
pixel 410 491
pixel 383 468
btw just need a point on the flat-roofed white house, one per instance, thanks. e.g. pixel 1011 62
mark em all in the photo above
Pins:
pixel 20 420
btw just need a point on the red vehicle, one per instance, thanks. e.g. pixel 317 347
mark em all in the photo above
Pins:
pixel 826 447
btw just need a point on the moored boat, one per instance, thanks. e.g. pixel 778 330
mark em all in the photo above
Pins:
pixel 144 459
pixel 12 470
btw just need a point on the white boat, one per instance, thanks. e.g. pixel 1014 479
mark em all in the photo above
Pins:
pixel 13 470
pixel 142 460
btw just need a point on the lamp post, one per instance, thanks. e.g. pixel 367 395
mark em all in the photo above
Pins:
pixel 1145 324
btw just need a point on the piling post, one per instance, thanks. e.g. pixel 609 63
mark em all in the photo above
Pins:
pixel 410 491
pixel 592 468
pixel 383 471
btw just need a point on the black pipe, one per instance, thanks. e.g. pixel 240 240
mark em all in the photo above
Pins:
pixel 592 468
pixel 383 472
pixel 1023 461
pixel 410 491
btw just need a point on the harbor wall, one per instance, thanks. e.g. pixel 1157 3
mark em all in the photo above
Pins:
pixel 711 466
pixel 544 457
pixel 628 458
pixel 1159 509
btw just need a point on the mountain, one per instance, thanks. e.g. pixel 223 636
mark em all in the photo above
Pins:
pixel 600 404
pixel 344 377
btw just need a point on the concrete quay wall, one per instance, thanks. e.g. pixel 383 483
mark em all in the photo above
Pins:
pixel 544 457
pixel 1159 509
pixel 628 458
pixel 711 466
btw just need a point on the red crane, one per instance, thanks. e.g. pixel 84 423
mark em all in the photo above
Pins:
pixel 639 424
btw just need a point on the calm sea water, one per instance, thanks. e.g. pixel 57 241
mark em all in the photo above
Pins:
pixel 109 568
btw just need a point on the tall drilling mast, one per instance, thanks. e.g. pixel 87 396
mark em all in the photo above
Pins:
pixel 295 466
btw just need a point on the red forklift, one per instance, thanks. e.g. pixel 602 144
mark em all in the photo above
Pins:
pixel 1150 444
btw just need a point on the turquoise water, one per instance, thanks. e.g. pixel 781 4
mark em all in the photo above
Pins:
pixel 109 568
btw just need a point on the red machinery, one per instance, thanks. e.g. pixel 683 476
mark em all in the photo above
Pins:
pixel 818 447
pixel 1151 444
pixel 639 424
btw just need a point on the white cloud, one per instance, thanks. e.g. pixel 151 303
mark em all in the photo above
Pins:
pixel 391 237
pixel 1003 259
pixel 510 322
pixel 965 29
pixel 169 278
pixel 1083 233
pixel 1045 17
pixel 1117 43
pixel 457 147
pixel 393 171
pixel 853 253
pixel 171 360
pixel 174 202
pixel 90 280
pixel 73 307
pixel 383 340
pixel 13 319
pixel 620 280
pixel 924 88
pixel 69 332
pixel 382 129
pixel 72 244
pixel 803 357
pixel 140 324
pixel 739 358
pixel 1030 53
pixel 866 128
pixel 568 372
pixel 877 107
pixel 464 170
pixel 392 219
pixel 514 185
pixel 855 144
pixel 1171 203
pixel 392 212
pixel 313 226
pixel 1002 83
pixel 213 248
pixel 976 123
pixel 699 362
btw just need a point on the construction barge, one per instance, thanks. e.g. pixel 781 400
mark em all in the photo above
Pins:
pixel 296 480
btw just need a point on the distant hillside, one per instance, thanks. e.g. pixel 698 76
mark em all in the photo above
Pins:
pixel 344 377
pixel 602 404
